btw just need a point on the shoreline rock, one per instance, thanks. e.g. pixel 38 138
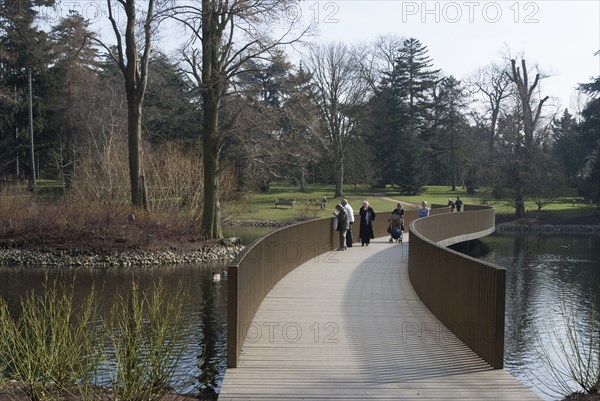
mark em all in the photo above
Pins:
pixel 549 228
pixel 260 223
pixel 47 258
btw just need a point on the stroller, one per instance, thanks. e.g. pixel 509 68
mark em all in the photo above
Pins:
pixel 396 227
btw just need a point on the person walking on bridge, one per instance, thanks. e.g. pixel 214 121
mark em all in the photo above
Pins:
pixel 342 225
pixel 458 204
pixel 367 217
pixel 350 213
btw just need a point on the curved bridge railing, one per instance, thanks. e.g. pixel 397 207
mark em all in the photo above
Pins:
pixel 254 272
pixel 467 295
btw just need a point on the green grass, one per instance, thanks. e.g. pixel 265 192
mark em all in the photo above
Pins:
pixel 261 206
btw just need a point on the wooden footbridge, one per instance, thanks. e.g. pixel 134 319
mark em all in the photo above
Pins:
pixel 310 323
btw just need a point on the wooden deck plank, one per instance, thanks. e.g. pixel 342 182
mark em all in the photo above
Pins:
pixel 349 326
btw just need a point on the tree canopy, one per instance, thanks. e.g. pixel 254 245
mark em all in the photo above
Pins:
pixel 233 109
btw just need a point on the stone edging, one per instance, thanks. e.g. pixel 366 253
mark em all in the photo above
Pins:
pixel 23 257
pixel 549 228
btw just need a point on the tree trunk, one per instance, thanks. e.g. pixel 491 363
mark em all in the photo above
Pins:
pixel 212 90
pixel 520 207
pixel 211 224
pixel 134 133
pixel 32 177
pixel 453 158
pixel 69 170
pixel 339 176
pixel 302 180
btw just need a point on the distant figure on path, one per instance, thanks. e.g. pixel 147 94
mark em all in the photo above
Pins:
pixel 367 217
pixel 451 205
pixel 423 209
pixel 458 204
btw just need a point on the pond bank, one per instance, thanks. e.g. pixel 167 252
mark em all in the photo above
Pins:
pixel 556 224
pixel 558 228
pixel 154 249
pixel 223 251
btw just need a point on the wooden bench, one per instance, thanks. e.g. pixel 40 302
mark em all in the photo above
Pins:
pixel 289 202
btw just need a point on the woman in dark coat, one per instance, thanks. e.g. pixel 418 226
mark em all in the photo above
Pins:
pixel 367 217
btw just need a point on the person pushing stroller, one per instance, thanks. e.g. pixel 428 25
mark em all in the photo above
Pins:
pixel 396 227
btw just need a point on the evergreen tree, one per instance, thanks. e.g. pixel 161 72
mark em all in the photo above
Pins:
pixel 569 147
pixel 388 124
pixel 395 146
pixel 72 75
pixel 590 131
pixel 449 130
pixel 413 68
pixel 24 57
pixel 172 109
pixel 402 108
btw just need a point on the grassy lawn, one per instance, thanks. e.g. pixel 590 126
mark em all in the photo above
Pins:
pixel 261 206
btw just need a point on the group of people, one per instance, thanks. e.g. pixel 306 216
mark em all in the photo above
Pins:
pixel 344 220
pixel 458 204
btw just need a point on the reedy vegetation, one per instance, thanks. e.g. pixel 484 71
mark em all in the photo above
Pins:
pixel 54 348
pixel 572 356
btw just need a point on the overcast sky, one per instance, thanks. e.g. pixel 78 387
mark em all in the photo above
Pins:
pixel 560 36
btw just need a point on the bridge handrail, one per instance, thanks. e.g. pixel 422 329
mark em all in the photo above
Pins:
pixel 467 295
pixel 254 272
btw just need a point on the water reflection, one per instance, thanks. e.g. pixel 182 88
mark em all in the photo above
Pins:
pixel 546 275
pixel 204 363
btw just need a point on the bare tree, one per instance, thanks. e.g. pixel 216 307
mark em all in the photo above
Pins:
pixel 376 57
pixel 133 63
pixel 276 132
pixel 230 32
pixel 519 76
pixel 529 115
pixel 493 84
pixel 340 94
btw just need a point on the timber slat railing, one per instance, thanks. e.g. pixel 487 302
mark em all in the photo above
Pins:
pixel 253 273
pixel 467 295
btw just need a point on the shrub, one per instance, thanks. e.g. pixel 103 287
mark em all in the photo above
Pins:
pixel 573 359
pixel 53 347
pixel 143 330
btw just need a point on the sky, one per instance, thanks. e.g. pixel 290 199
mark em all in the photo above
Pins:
pixel 559 36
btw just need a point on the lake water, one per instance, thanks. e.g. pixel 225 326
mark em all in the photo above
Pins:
pixel 546 274
pixel 551 279
pixel 207 309
pixel 205 361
